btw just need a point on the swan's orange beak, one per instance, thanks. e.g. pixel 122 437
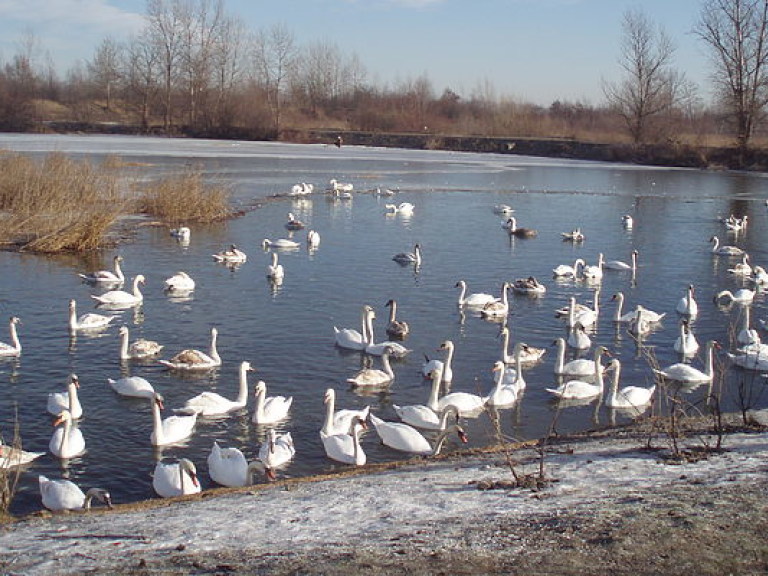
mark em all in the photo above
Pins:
pixel 463 436
pixel 193 476
pixel 58 420
pixel 271 476
pixel 160 404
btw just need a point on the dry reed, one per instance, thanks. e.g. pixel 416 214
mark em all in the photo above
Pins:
pixel 185 198
pixel 57 204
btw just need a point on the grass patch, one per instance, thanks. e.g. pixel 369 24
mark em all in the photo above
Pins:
pixel 58 204
pixel 186 198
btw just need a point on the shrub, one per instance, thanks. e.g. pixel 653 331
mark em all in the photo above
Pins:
pixel 57 204
pixel 185 198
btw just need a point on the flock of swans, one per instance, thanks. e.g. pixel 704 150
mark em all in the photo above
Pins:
pixel 422 429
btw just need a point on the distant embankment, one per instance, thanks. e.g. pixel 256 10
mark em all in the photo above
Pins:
pixel 652 155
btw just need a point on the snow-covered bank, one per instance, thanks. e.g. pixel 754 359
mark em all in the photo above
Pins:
pixel 371 509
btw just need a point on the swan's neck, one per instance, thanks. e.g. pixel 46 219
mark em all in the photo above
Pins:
pixel 260 395
pixel 136 291
pixel 505 347
pixel 213 352
pixel 72 394
pixel 447 364
pixel 434 393
pixel 64 444
pixel 124 346
pixel 72 318
pixel 386 366
pixel 596 299
pixel 613 397
pixel 560 361
pixel 15 337
pixel 356 449
pixel 619 306
pixel 462 293
pixel 119 271
pixel 441 440
pixel 364 325
pixel 369 327
pixel 392 312
pixel 328 424
pixel 242 394
pixel 710 368
pixel 157 423
pixel 182 474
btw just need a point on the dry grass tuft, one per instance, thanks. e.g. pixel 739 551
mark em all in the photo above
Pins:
pixel 58 204
pixel 186 198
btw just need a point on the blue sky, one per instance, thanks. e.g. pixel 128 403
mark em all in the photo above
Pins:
pixel 531 50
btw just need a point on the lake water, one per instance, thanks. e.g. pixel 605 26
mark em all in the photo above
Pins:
pixel 287 332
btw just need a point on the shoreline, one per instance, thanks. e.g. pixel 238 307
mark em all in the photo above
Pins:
pixel 611 505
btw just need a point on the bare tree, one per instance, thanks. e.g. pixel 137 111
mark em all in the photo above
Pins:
pixel 142 74
pixel 736 33
pixel 105 67
pixel 274 57
pixel 650 87
pixel 227 59
pixel 164 19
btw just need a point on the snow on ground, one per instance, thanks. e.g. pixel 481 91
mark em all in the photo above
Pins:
pixel 364 508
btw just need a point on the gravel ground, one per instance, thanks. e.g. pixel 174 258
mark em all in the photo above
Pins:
pixel 707 515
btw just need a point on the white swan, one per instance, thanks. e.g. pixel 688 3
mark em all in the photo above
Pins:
pixel 409 257
pixel 759 276
pixel 14 348
pixel 687 305
pixel 119 298
pixel 11 457
pixel 618 315
pixel 724 250
pixel 585 316
pixel 350 338
pixel 503 394
pixel 313 239
pixel 742 295
pixel 580 366
pixel 180 282
pixel 528 355
pixel 397 350
pixel 175 479
pixel 60 495
pixel 397 329
pixel 339 421
pixel 578 339
pixel 283 243
pixel 373 377
pixel 88 321
pixel 581 389
pixel 275 270
pixel 445 366
pixel 132 386
pixel 475 300
pixel 137 350
pixel 272 409
pixel 594 271
pixel 277 451
pixel 627 221
pixel 575 235
pixel 686 343
pixel 59 401
pixel 466 403
pixel 404 208
pixel 337 186
pixel 503 209
pixel 754 357
pixel 301 189
pixel 401 436
pixel 106 276
pixel 182 234
pixel 231 255
pixel 629 396
pixel 67 440
pixel 743 268
pixel 345 447
pixel 193 359
pixel 687 374
pixel 212 404
pixel 567 270
pixel 500 308
pixel 621 265
pixel 747 336
pixel 424 415
pixel 228 467
pixel 172 429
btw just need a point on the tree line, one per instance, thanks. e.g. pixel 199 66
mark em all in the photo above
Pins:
pixel 195 69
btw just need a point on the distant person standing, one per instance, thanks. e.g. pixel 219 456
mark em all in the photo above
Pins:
pixel 339 141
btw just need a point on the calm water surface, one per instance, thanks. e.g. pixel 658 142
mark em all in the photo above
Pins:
pixel 286 332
